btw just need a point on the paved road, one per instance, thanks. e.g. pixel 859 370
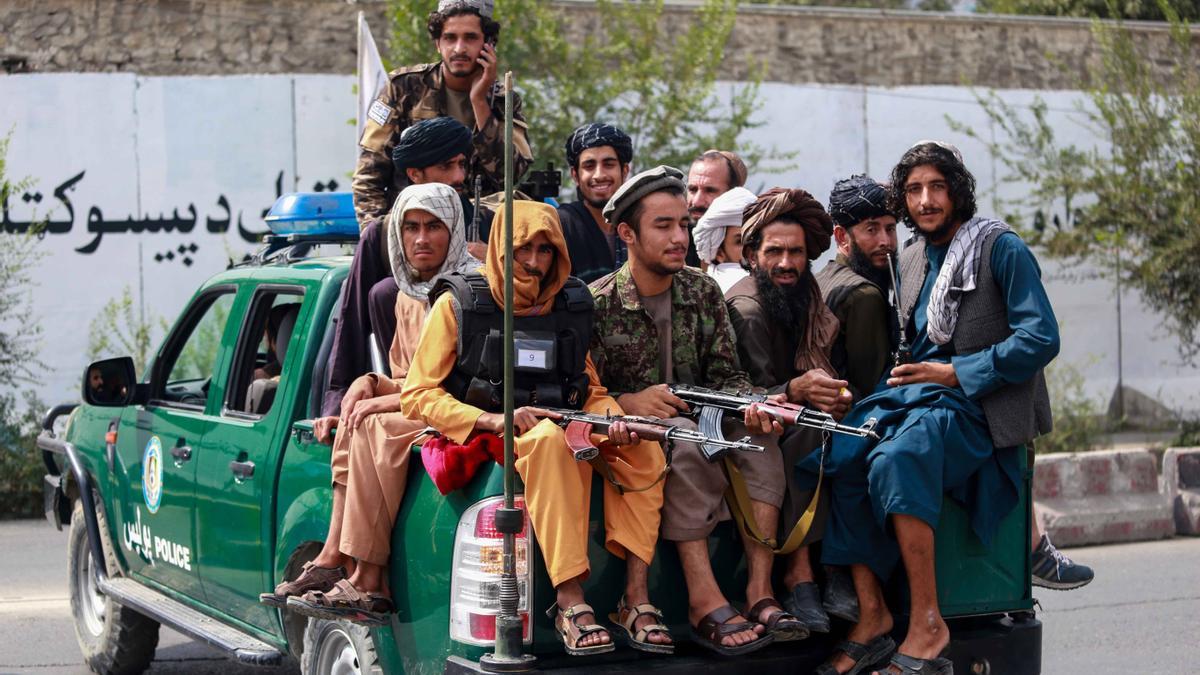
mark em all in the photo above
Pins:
pixel 1141 615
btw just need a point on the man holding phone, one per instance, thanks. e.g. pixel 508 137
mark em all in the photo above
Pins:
pixel 461 85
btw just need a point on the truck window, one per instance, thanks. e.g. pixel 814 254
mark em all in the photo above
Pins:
pixel 261 353
pixel 191 368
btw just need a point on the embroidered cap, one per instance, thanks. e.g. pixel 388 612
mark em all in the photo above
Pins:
pixel 631 192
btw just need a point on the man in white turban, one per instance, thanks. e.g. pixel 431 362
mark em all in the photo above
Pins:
pixel 718 237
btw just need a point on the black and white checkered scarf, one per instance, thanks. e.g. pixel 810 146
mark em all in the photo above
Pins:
pixel 957 275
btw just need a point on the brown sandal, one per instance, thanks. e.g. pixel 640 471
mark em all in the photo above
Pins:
pixel 781 624
pixel 571 632
pixel 311 578
pixel 343 601
pixel 712 629
pixel 637 639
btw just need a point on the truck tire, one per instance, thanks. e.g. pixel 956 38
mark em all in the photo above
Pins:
pixel 338 648
pixel 114 639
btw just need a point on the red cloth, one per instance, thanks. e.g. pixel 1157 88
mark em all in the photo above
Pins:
pixel 451 465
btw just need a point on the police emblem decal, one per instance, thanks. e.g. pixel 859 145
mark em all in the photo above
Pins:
pixel 379 112
pixel 152 474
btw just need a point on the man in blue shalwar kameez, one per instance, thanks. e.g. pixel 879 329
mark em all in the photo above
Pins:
pixel 951 421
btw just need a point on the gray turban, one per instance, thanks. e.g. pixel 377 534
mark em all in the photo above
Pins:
pixel 430 142
pixel 856 199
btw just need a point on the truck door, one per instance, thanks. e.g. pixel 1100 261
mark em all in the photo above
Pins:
pixel 236 480
pixel 157 445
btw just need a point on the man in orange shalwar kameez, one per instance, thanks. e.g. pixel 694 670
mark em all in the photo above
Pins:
pixel 557 487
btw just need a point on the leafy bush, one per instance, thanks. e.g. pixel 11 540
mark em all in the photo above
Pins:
pixel 21 467
pixel 1080 423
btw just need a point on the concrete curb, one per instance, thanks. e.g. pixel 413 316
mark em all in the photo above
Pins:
pixel 1181 485
pixel 1101 497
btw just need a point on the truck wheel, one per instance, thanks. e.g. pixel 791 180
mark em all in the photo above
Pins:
pixel 114 639
pixel 338 648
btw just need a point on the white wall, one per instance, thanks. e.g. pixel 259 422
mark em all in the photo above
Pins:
pixel 150 146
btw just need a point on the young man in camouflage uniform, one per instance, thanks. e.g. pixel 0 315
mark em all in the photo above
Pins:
pixel 658 322
pixel 461 85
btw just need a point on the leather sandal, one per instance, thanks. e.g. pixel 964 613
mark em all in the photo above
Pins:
pixel 311 578
pixel 911 665
pixel 343 601
pixel 712 629
pixel 865 657
pixel 571 632
pixel 637 639
pixel 781 623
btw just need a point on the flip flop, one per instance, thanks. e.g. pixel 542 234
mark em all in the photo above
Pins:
pixel 910 665
pixel 712 628
pixel 782 624
pixel 865 657
pixel 343 601
pixel 637 639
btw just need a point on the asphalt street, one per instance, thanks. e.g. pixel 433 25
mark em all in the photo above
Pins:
pixel 1141 615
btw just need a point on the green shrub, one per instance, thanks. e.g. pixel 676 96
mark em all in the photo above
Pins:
pixel 1080 423
pixel 21 467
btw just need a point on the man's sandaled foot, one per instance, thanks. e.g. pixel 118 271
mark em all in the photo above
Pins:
pixel 311 578
pixel 713 629
pixel 865 657
pixel 901 664
pixel 572 633
pixel 626 619
pixel 343 601
pixel 804 603
pixel 779 623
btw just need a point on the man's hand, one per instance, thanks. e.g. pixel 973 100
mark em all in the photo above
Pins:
pixel 926 371
pixel 323 429
pixel 758 422
pixel 818 389
pixel 478 249
pixel 361 388
pixel 367 406
pixel 482 86
pixel 655 401
pixel 619 434
pixel 524 419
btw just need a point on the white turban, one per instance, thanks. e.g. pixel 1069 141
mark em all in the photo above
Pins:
pixel 446 205
pixel 725 211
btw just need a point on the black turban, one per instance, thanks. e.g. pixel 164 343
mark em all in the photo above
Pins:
pixel 856 199
pixel 430 142
pixel 595 135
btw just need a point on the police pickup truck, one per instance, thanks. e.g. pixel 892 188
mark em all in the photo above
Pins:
pixel 186 495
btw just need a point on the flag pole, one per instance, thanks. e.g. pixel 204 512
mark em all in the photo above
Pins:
pixel 510 520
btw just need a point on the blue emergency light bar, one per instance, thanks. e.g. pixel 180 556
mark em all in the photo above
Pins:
pixel 313 214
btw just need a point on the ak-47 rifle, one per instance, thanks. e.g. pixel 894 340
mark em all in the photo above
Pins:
pixel 476 217
pixel 713 404
pixel 903 352
pixel 580 426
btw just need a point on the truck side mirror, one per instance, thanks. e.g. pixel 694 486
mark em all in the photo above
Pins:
pixel 110 383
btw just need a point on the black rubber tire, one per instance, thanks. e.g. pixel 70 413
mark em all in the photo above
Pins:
pixel 121 641
pixel 348 643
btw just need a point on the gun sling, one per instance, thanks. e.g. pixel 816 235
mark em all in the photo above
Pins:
pixel 737 497
pixel 579 437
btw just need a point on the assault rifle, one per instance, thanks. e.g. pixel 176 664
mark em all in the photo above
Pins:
pixel 476 217
pixel 713 404
pixel 580 426
pixel 903 352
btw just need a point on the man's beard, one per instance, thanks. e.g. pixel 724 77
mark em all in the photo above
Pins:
pixel 939 233
pixel 861 263
pixel 787 304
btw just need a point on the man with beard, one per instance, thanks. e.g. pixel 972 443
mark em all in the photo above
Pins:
pixel 711 175
pixel 855 284
pixel 599 156
pixel 430 151
pixel 453 385
pixel 657 322
pixel 952 422
pixel 369 462
pixel 784 333
pixel 462 85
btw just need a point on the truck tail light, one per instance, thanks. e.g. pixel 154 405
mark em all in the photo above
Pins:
pixel 475 579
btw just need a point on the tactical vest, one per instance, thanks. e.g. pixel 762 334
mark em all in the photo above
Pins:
pixel 550 349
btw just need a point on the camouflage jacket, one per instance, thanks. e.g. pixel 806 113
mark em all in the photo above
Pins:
pixel 417 93
pixel 625 342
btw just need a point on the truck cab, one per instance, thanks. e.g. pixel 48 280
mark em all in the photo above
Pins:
pixel 191 489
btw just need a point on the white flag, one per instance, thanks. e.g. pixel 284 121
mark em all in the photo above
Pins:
pixel 372 77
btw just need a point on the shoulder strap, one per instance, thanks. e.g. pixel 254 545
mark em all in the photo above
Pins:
pixel 576 295
pixel 470 291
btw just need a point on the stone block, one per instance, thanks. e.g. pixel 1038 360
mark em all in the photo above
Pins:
pixel 1101 497
pixel 1181 484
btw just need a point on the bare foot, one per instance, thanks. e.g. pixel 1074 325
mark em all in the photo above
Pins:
pixel 736 639
pixel 869 627
pixel 656 637
pixel 570 594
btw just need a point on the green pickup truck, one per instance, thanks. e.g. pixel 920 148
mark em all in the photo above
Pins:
pixel 192 490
